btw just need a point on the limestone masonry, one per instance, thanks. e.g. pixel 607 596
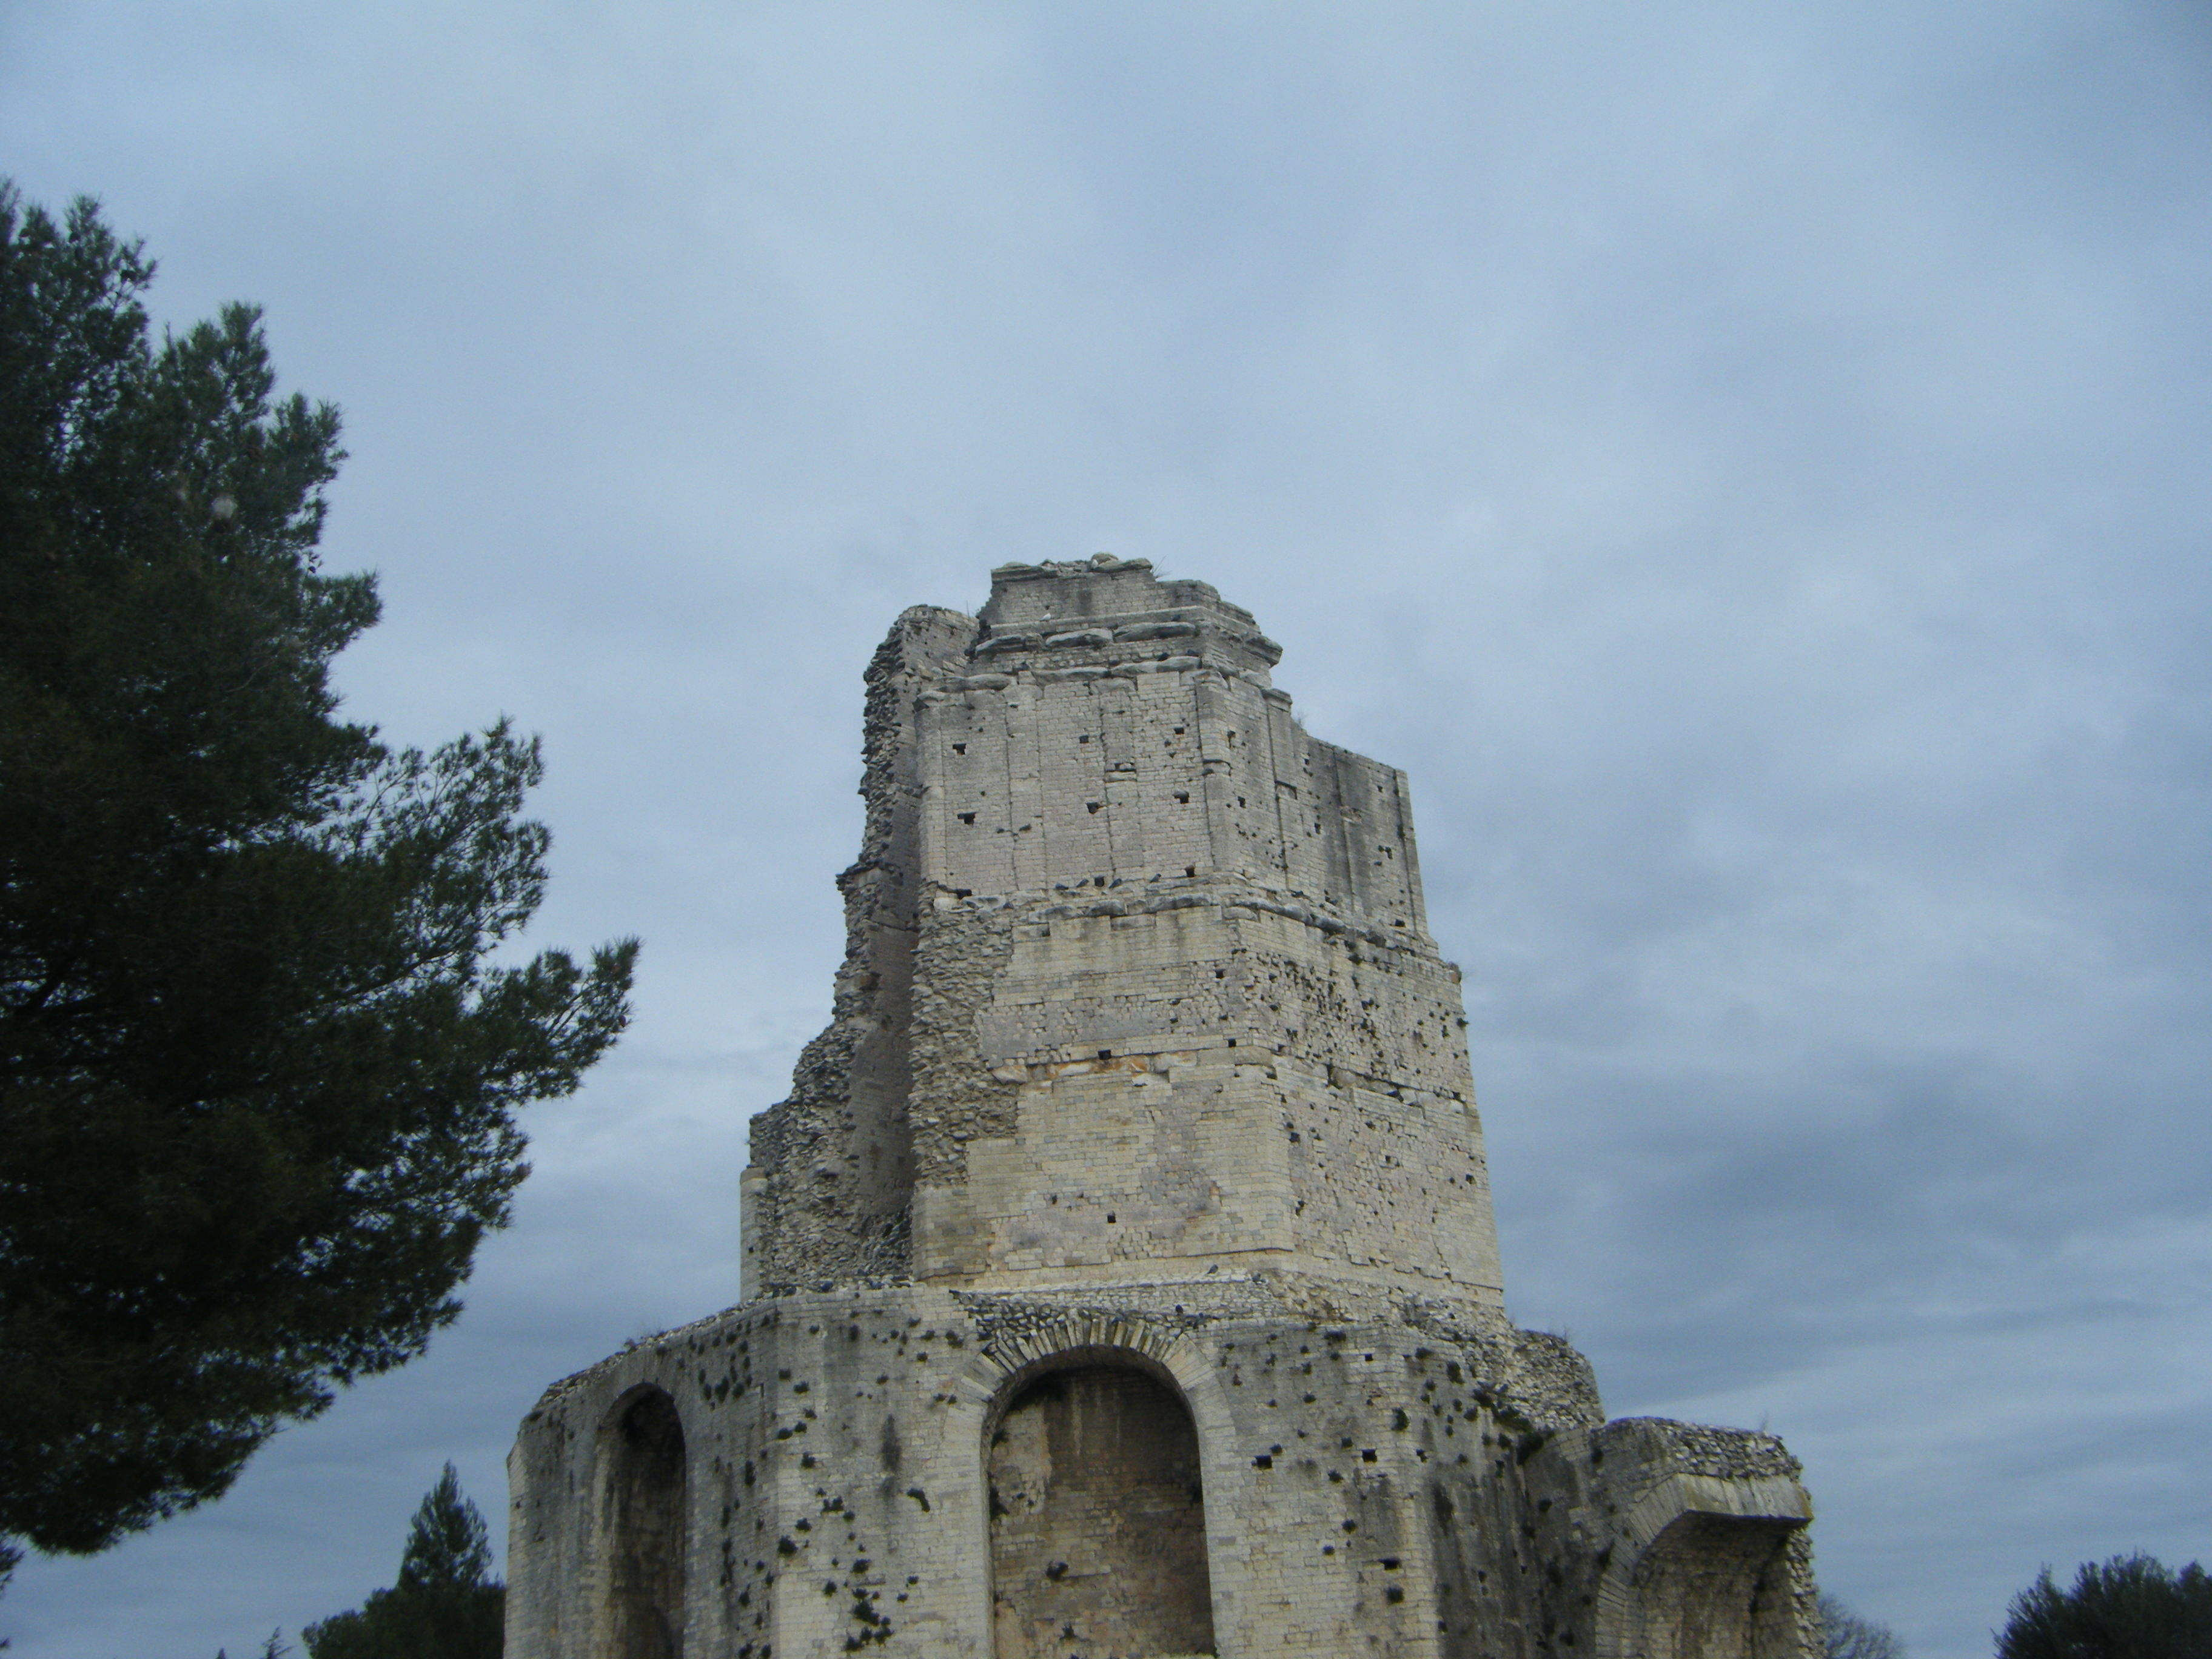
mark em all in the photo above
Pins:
pixel 1120 1279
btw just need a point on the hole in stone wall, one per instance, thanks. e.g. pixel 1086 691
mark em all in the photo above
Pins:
pixel 967 817
pixel 645 1565
pixel 959 748
pixel 1098 1520
pixel 1094 804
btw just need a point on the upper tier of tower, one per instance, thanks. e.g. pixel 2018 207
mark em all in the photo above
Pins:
pixel 1109 729
pixel 1137 980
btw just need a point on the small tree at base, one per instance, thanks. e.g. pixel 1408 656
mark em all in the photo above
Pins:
pixel 2133 1607
pixel 446 1605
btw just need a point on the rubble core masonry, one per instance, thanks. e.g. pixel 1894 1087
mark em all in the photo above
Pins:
pixel 1119 1277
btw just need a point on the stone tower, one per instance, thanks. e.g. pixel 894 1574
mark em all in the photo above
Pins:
pixel 1120 1279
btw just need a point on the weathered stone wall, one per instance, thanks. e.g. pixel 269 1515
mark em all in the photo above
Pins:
pixel 1097 1518
pixel 833 1164
pixel 1373 1486
pixel 1675 1540
pixel 1144 745
pixel 1137 971
pixel 1120 1275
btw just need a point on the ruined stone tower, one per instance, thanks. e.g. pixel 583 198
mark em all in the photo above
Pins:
pixel 1120 1279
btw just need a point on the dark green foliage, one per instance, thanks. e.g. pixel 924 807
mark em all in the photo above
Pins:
pixel 2134 1607
pixel 446 1606
pixel 258 1067
pixel 1845 1635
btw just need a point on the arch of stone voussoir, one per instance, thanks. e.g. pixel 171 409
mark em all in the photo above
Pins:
pixel 1772 1501
pixel 1003 1366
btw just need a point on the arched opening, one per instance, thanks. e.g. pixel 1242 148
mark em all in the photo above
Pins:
pixel 645 1524
pixel 1098 1520
pixel 1714 1587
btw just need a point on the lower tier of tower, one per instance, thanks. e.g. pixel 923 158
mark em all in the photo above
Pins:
pixel 1196 1468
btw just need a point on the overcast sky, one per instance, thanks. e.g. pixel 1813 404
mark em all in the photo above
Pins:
pixel 1750 463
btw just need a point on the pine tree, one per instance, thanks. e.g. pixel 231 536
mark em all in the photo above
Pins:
pixel 446 1605
pixel 258 1067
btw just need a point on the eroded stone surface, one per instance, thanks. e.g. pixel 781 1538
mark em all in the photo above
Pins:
pixel 1137 1175
pixel 1097 1518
